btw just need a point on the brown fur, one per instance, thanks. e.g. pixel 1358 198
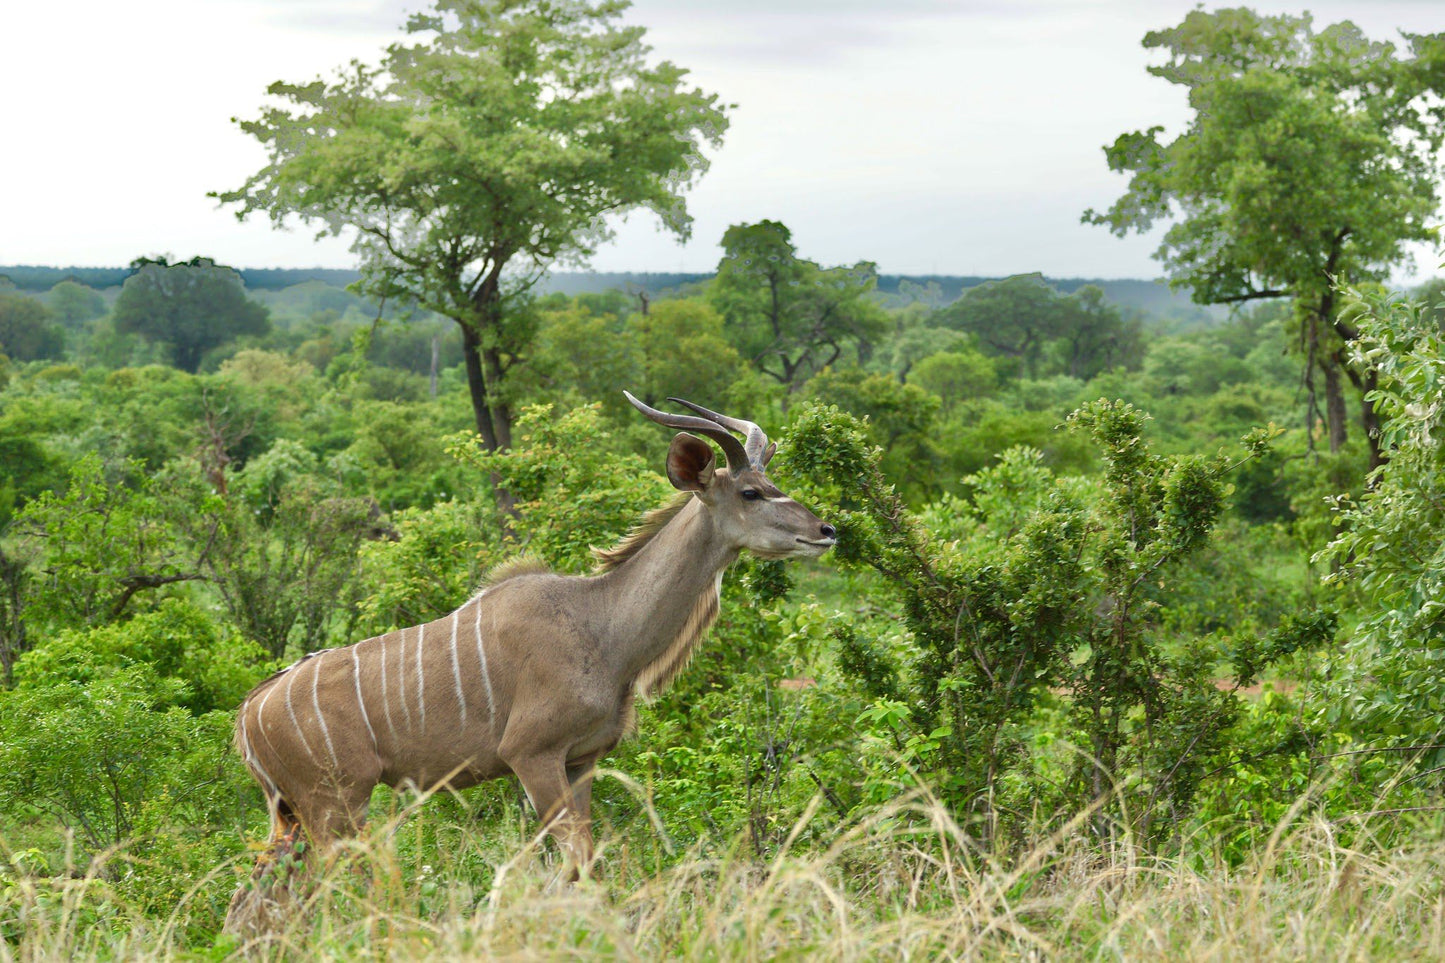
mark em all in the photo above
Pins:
pixel 265 683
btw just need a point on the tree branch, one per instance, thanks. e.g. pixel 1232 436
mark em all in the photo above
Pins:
pixel 1251 296
pixel 134 583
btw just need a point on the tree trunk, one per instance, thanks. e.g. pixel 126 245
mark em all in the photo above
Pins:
pixel 1366 382
pixel 436 354
pixel 484 382
pixel 477 386
pixel 1334 404
pixel 13 642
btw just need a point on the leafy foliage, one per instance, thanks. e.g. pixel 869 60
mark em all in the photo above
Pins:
pixel 574 489
pixel 1391 541
pixel 26 332
pixel 106 756
pixel 1057 591
pixel 106 540
pixel 787 316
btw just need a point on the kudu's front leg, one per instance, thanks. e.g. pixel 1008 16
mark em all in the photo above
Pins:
pixel 563 799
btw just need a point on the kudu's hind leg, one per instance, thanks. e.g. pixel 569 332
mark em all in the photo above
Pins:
pixel 263 903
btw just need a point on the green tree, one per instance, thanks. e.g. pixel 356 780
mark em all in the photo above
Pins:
pixel 26 331
pixel 1096 336
pixel 191 307
pixel 178 640
pixel 901 418
pixel 787 316
pixel 103 757
pixel 73 304
pixel 284 559
pixel 684 353
pixel 1311 157
pixel 956 376
pixel 581 356
pixel 108 538
pixel 1045 584
pixel 575 490
pixel 1014 318
pixel 500 140
pixel 915 336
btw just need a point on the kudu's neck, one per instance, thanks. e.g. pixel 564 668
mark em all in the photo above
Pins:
pixel 657 591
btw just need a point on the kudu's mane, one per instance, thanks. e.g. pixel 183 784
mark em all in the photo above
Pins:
pixel 646 530
pixel 522 565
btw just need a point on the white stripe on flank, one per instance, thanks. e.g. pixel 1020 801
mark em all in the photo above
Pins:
pixel 316 704
pixel 486 676
pixel 401 680
pixel 420 695
pixel 386 702
pixel 365 716
pixel 291 710
pixel 457 669
pixel 261 714
pixel 249 755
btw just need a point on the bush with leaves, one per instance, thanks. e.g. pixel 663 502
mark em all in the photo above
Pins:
pixel 106 756
pixel 99 548
pixel 1059 594
pixel 1391 544
pixel 177 640
pixel 575 487
pixel 285 578
pixel 434 562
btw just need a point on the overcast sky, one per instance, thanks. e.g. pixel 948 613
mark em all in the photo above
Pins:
pixel 930 136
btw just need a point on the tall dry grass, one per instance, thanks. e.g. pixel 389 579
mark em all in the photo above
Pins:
pixel 905 883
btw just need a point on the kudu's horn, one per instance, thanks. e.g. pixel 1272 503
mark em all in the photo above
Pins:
pixel 737 455
pixel 757 446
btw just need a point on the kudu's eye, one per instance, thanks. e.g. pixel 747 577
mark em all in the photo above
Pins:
pixel 752 494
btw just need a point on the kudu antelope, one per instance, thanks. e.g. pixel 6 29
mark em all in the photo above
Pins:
pixel 535 675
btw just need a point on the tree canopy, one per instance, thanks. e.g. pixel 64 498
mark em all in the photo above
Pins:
pixel 492 145
pixel 73 303
pixel 26 331
pixel 787 315
pixel 191 307
pixel 1311 158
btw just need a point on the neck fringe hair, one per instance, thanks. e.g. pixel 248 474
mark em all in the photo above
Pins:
pixel 658 674
pixel 635 540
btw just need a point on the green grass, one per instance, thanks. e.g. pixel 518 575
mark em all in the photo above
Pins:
pixel 906 883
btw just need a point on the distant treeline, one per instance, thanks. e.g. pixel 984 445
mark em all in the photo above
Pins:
pixel 34 277
pixel 1149 297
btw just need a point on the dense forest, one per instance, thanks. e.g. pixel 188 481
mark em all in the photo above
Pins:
pixel 1135 613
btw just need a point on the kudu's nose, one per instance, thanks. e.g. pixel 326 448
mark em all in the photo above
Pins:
pixel 829 531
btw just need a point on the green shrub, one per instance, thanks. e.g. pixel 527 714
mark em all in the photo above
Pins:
pixel 177 641
pixel 116 754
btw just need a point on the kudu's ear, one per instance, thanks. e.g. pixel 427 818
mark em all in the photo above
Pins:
pixel 689 463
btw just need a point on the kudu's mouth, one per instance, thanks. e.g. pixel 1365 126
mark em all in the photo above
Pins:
pixel 823 544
